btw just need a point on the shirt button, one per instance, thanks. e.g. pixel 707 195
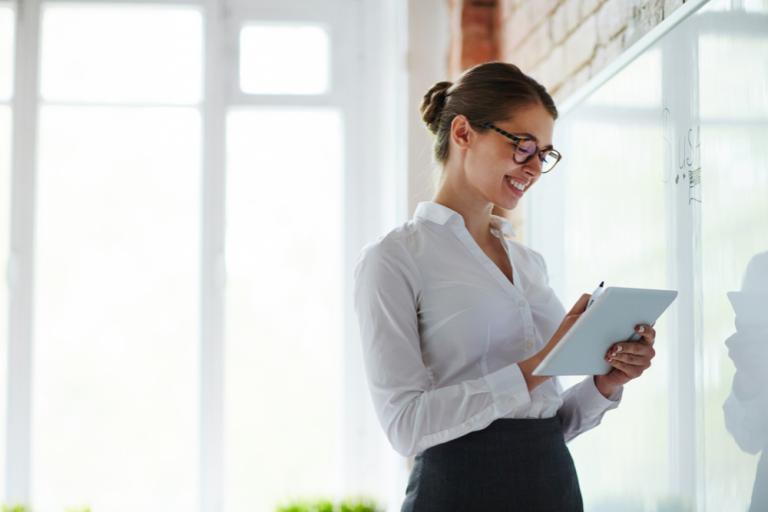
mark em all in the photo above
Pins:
pixel 529 344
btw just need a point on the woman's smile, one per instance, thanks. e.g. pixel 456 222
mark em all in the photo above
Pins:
pixel 515 185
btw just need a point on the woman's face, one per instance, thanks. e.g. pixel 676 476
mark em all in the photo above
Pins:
pixel 489 165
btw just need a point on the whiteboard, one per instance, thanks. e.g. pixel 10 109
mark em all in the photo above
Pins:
pixel 664 184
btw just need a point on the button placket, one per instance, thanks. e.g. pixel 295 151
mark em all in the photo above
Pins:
pixel 462 234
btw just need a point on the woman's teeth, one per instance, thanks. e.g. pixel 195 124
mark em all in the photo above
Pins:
pixel 515 184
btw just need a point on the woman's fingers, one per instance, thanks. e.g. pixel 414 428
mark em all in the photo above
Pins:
pixel 632 353
pixel 632 358
pixel 630 370
pixel 647 332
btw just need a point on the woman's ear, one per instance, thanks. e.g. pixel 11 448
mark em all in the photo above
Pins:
pixel 462 133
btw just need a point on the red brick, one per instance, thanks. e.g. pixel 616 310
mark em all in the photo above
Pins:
pixel 482 15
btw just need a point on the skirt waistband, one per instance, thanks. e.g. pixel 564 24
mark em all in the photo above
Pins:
pixel 523 424
pixel 509 431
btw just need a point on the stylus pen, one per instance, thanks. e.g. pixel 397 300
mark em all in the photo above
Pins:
pixel 595 294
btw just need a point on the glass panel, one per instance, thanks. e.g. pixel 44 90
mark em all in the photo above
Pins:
pixel 284 59
pixel 163 65
pixel 748 55
pixel 760 6
pixel 116 384
pixel 284 304
pixel 5 234
pixel 615 224
pixel 734 250
pixel 615 230
pixel 622 91
pixel 7 36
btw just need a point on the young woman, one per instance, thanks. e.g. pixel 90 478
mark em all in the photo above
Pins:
pixel 454 316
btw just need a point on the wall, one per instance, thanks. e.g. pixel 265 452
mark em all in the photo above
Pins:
pixel 561 43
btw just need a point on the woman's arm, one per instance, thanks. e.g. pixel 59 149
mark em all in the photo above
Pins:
pixel 413 413
pixel 585 403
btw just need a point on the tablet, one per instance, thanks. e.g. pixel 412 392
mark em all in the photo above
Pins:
pixel 611 318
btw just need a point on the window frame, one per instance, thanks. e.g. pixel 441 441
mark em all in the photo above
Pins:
pixel 377 187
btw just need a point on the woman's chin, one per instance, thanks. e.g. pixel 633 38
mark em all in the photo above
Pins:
pixel 508 203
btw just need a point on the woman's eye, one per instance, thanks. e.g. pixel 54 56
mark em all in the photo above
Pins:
pixel 525 149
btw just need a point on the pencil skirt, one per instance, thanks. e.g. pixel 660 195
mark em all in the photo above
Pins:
pixel 511 465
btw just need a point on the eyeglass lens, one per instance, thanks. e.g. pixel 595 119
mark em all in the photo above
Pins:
pixel 526 149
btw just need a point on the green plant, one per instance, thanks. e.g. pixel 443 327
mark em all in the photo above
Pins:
pixel 362 505
pixel 22 508
pixel 15 508
pixel 307 506
pixel 324 505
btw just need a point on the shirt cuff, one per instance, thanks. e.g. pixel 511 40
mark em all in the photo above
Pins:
pixel 593 400
pixel 508 388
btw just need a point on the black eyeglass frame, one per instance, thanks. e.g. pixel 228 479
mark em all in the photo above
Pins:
pixel 516 139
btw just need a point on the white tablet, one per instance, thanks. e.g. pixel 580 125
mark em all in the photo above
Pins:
pixel 611 318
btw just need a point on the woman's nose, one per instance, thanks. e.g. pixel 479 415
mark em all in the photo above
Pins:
pixel 533 166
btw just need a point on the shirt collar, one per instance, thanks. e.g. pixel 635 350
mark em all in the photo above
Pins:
pixel 443 215
pixel 503 224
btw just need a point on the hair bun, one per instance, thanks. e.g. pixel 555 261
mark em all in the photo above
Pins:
pixel 432 105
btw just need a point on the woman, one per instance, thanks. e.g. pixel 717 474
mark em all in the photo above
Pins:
pixel 454 316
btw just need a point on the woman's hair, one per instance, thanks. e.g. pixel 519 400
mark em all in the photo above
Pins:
pixel 484 93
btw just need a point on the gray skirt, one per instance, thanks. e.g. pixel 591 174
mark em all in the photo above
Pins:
pixel 511 465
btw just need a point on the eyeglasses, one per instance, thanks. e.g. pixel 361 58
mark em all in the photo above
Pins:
pixel 526 147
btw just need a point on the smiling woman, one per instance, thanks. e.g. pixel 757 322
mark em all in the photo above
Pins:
pixel 455 315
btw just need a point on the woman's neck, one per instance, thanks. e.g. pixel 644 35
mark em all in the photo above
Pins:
pixel 476 213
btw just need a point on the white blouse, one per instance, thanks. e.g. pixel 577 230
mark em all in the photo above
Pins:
pixel 442 329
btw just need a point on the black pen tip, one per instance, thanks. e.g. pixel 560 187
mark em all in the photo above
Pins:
pixel 601 283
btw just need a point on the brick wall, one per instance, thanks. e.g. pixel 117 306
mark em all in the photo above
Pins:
pixel 561 43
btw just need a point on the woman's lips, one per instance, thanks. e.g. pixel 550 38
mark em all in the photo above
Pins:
pixel 515 190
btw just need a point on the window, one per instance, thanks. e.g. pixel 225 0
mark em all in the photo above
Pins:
pixel 189 243
pixel 6 87
pixel 284 306
pixel 115 389
pixel 284 59
pixel 164 65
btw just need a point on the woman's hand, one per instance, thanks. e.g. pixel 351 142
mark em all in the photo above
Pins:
pixel 629 360
pixel 527 366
